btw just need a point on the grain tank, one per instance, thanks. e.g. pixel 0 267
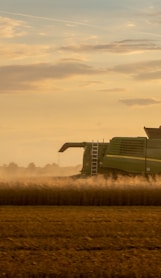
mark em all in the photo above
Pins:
pixel 124 155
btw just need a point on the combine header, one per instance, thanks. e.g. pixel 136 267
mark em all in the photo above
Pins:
pixel 122 155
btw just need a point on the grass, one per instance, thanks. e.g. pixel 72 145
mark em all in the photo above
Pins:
pixel 65 241
pixel 94 191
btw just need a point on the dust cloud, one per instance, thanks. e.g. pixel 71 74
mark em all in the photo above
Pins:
pixel 81 183
pixel 14 172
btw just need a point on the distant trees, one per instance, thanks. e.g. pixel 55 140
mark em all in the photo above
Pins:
pixel 13 170
pixel 31 166
pixel 31 169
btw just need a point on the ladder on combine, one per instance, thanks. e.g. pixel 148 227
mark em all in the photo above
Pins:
pixel 94 159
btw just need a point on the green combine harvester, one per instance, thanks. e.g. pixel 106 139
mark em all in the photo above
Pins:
pixel 122 155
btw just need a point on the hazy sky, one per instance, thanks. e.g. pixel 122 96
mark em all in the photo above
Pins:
pixel 76 71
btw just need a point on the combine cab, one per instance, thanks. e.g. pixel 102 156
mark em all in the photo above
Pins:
pixel 124 155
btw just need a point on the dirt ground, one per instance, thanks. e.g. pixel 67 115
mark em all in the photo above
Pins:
pixel 52 241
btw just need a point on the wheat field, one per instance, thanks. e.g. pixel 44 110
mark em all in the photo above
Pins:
pixel 93 191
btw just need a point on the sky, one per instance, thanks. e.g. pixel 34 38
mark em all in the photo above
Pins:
pixel 73 71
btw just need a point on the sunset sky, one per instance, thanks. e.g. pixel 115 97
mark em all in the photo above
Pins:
pixel 76 71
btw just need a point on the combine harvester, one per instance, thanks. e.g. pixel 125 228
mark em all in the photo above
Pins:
pixel 122 155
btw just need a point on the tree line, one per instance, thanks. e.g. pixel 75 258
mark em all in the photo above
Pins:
pixel 13 170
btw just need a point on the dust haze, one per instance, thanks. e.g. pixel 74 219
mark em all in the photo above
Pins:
pixel 12 171
pixel 66 177
pixel 73 191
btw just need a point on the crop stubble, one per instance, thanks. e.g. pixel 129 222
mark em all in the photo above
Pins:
pixel 74 241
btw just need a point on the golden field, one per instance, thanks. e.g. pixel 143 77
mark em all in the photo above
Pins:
pixel 93 191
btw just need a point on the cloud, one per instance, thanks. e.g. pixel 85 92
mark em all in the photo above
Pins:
pixel 140 101
pixel 10 28
pixel 149 70
pixel 29 77
pixel 154 16
pixel 89 83
pixel 124 46
pixel 25 77
pixel 12 51
pixel 69 23
pixel 113 90
pixel 152 75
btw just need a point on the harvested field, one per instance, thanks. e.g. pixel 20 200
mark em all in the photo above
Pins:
pixel 80 241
